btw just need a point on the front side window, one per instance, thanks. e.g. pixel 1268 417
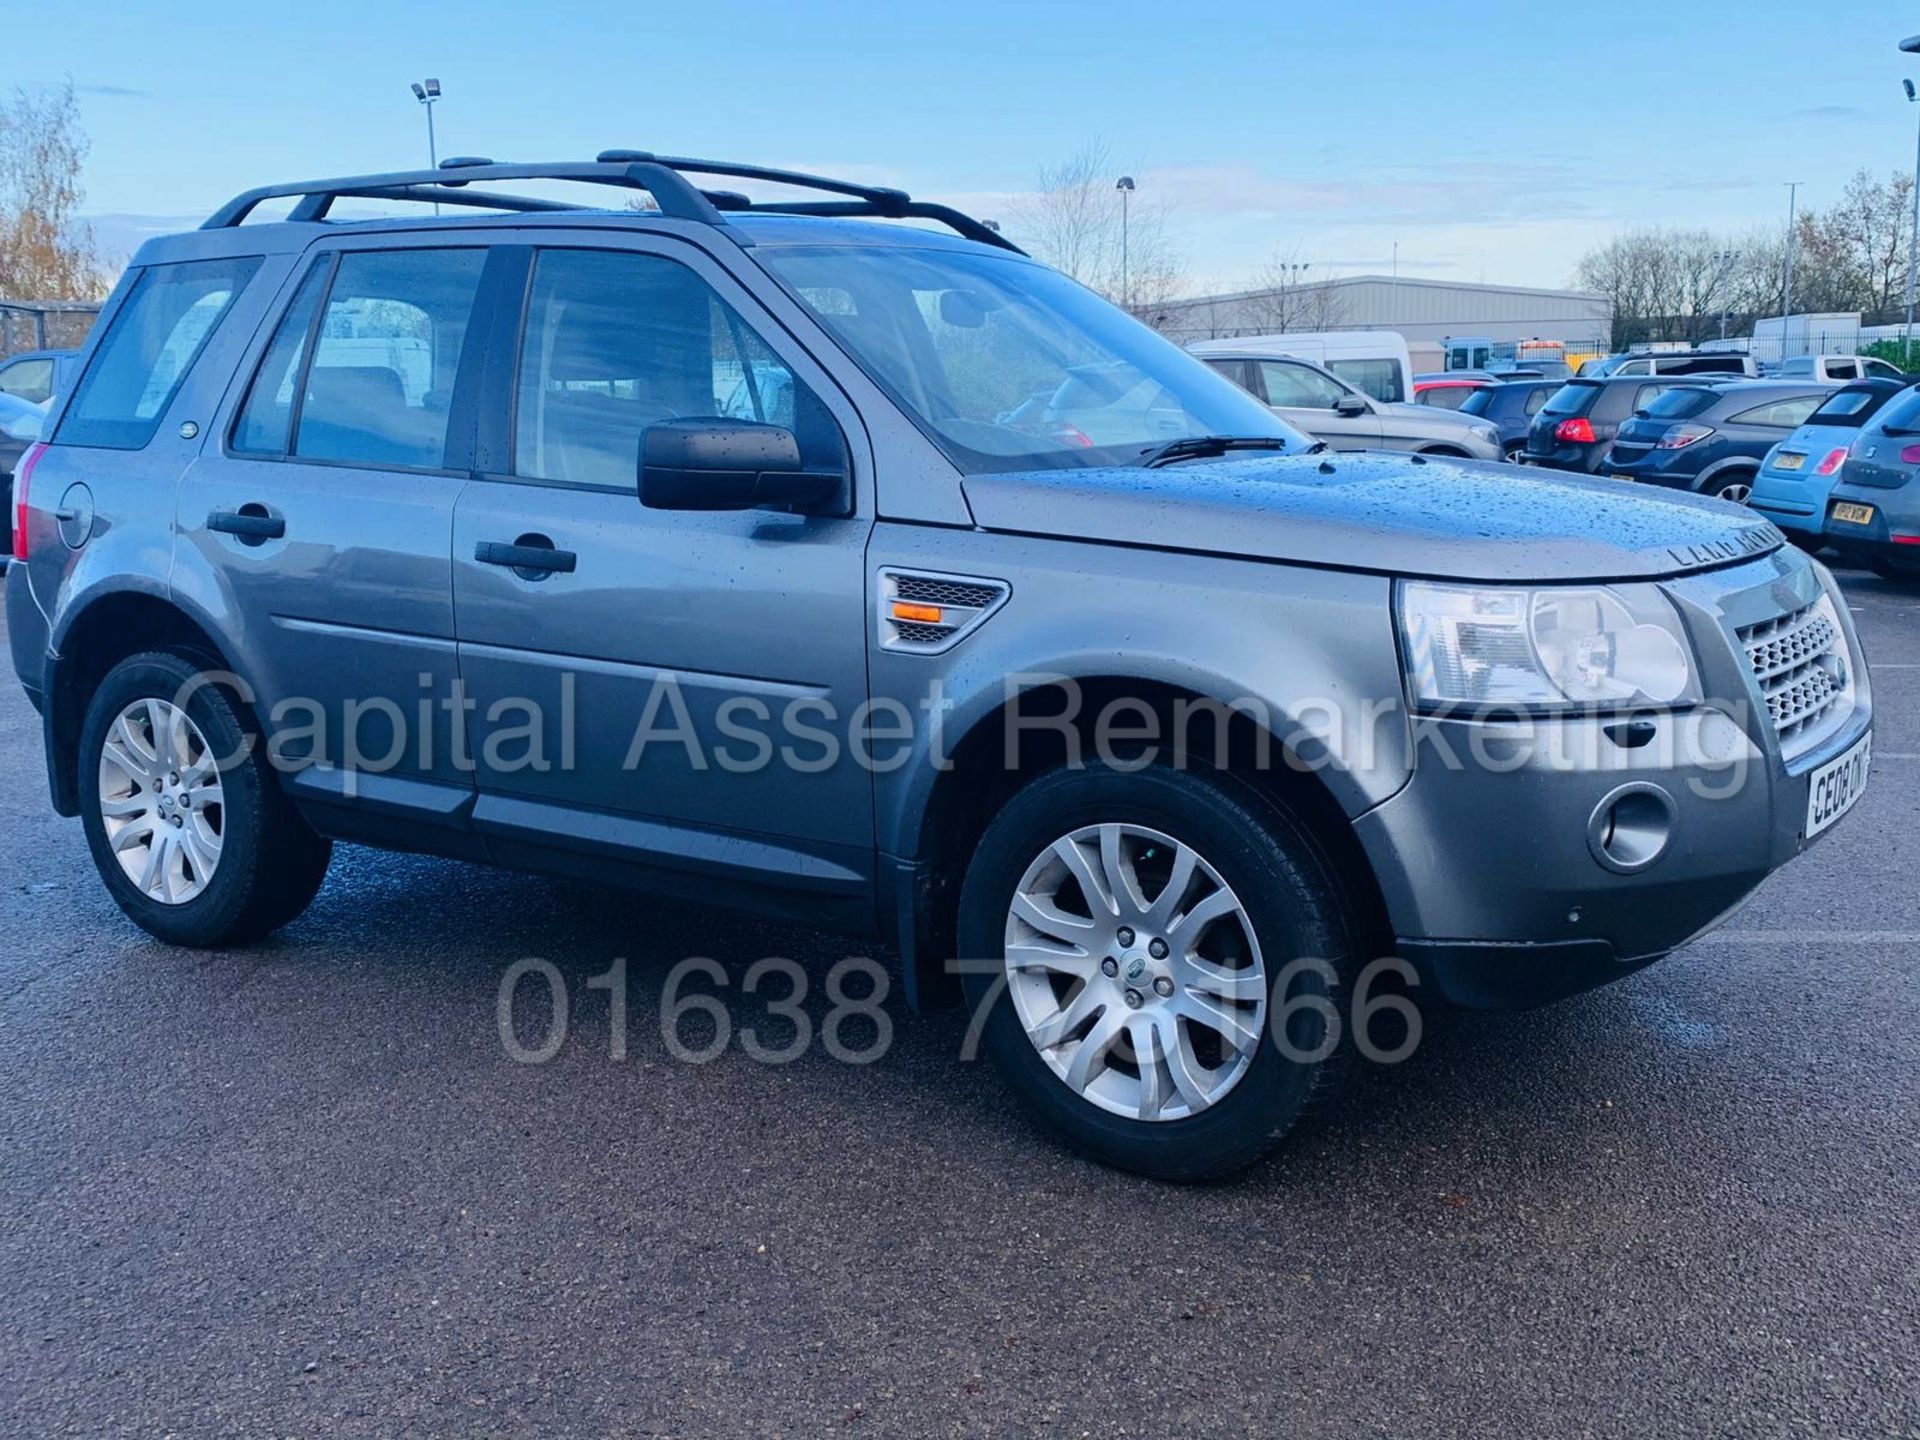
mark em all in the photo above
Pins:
pixel 616 342
pixel 1010 366
pixel 1298 386
pixel 380 384
pixel 159 331
pixel 1378 378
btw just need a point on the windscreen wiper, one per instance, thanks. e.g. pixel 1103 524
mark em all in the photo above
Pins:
pixel 1201 447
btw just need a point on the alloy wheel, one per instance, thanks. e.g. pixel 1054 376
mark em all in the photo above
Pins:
pixel 161 801
pixel 1134 970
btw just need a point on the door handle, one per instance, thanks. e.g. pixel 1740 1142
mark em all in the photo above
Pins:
pixel 539 559
pixel 251 523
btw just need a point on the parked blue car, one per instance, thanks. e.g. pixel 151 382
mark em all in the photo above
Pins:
pixel 1509 407
pixel 1800 472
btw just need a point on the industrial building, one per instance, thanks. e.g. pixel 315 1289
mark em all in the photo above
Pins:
pixel 1420 310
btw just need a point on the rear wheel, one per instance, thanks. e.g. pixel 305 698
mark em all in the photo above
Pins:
pixel 1156 954
pixel 186 820
pixel 1736 486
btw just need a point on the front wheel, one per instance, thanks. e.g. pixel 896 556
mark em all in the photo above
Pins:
pixel 1157 956
pixel 186 820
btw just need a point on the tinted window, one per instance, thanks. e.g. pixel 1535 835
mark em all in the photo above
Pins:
pixel 1378 378
pixel 1449 397
pixel 615 343
pixel 381 380
pixel 1479 402
pixel 152 342
pixel 267 417
pixel 1234 370
pixel 1845 407
pixel 1572 398
pixel 1300 386
pixel 31 380
pixel 1902 413
pixel 1682 403
pixel 1788 414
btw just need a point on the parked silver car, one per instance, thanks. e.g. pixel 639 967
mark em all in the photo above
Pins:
pixel 1327 408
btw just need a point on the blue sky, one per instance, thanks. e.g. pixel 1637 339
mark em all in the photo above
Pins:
pixel 1491 140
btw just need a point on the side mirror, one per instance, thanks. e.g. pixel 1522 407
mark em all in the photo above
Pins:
pixel 714 464
pixel 1350 405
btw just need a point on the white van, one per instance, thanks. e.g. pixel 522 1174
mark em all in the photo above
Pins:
pixel 1375 362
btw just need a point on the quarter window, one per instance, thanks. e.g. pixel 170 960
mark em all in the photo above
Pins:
pixel 616 342
pixel 380 384
pixel 149 347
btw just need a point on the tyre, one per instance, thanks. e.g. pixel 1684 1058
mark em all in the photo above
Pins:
pixel 187 822
pixel 1136 938
pixel 1736 486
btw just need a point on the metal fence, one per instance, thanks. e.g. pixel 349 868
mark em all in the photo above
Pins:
pixel 44 324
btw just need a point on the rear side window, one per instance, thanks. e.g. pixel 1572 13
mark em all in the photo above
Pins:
pixel 266 420
pixel 1572 398
pixel 1536 397
pixel 1679 404
pixel 157 334
pixel 1378 378
pixel 380 384
pixel 31 380
pixel 1788 414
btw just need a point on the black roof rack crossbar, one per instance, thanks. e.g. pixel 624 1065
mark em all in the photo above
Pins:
pixel 672 192
pixel 662 177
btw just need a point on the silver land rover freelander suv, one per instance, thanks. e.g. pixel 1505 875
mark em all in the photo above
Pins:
pixel 778 555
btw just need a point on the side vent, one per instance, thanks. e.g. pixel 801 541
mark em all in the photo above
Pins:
pixel 924 613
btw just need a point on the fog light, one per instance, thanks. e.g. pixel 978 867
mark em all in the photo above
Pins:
pixel 1631 827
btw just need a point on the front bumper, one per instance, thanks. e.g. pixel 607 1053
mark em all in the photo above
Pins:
pixel 1488 860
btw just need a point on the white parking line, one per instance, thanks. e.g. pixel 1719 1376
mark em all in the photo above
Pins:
pixel 1900 665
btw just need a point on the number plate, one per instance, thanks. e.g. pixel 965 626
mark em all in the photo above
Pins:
pixel 1789 461
pixel 1853 514
pixel 1833 789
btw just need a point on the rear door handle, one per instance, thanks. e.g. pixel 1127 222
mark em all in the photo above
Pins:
pixel 542 559
pixel 250 522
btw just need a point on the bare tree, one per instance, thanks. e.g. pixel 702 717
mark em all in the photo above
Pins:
pixel 1077 222
pixel 1282 301
pixel 46 251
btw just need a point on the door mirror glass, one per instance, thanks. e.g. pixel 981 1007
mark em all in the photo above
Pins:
pixel 715 464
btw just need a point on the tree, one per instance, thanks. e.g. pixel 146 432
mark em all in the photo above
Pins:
pixel 1281 301
pixel 46 251
pixel 1077 222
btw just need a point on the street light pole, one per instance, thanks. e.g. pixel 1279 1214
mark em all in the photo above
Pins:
pixel 1724 259
pixel 1913 239
pixel 1125 187
pixel 427 92
pixel 1793 213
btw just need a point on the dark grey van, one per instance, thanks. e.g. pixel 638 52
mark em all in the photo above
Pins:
pixel 873 575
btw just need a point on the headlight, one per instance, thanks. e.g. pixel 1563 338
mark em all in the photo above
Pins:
pixel 1585 647
pixel 1486 433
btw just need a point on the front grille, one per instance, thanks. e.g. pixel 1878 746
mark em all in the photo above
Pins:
pixel 1801 665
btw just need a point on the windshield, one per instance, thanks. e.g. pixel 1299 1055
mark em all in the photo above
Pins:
pixel 1011 366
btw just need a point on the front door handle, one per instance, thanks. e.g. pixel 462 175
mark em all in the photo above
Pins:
pixel 529 561
pixel 251 523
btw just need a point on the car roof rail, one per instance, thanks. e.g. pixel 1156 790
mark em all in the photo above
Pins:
pixel 664 178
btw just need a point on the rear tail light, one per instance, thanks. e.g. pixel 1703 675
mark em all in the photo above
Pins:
pixel 1681 436
pixel 22 474
pixel 1906 539
pixel 1910 455
pixel 1835 459
pixel 1072 435
pixel 1579 431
